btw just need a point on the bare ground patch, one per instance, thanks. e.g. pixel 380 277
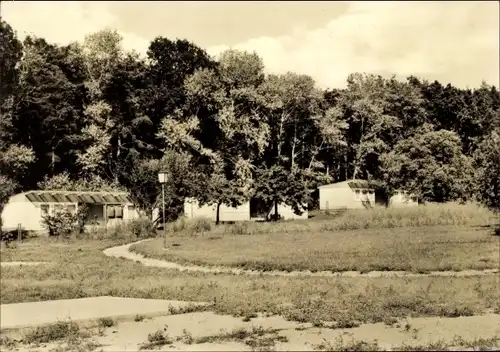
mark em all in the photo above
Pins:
pixel 204 331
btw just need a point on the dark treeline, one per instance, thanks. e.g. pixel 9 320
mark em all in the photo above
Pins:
pixel 92 116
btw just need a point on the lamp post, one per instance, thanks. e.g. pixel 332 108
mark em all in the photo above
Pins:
pixel 162 177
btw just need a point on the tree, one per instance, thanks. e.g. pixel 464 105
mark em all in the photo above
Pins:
pixel 170 63
pixel 227 103
pixel 102 52
pixel 371 124
pixel 45 112
pixel 65 182
pixel 487 162
pixel 429 165
pixel 299 131
pixel 6 191
pixel 14 161
pixel 141 180
pixel 10 55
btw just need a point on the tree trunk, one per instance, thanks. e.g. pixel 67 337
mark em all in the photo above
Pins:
pixel 217 217
pixel 294 144
pixel 276 210
pixel 355 172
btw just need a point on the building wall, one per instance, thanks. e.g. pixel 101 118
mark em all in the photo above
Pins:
pixel 19 210
pixel 287 213
pixel 341 196
pixel 226 213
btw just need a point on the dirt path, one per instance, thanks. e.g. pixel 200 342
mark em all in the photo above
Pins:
pixel 124 252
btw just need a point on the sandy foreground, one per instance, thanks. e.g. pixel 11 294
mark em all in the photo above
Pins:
pixel 184 331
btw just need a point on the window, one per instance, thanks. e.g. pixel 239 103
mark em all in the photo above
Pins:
pixel 119 211
pixel 114 212
pixel 357 194
pixel 44 208
pixel 110 212
pixel 57 208
pixel 71 208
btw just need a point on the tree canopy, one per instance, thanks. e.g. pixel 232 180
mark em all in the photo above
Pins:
pixel 91 115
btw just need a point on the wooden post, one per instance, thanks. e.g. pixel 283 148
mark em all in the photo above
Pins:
pixel 19 233
pixel 105 210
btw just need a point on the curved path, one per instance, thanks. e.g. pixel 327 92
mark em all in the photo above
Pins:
pixel 124 252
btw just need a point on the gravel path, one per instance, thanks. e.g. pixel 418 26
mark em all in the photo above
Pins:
pixel 124 252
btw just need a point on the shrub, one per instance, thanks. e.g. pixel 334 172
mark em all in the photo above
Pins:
pixel 191 226
pixel 201 225
pixel 61 223
pixel 81 217
pixel 12 235
pixel 141 228
pixel 49 333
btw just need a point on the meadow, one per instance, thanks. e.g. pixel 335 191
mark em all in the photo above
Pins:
pixel 78 268
pixel 418 239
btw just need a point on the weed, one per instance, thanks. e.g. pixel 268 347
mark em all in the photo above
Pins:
pixel 390 321
pixel 345 323
pixel 7 342
pixel 241 334
pixel 157 339
pixel 250 316
pixel 54 332
pixel 106 322
pixel 352 345
pixel 433 346
pixel 454 312
pixel 139 318
pixel 190 308
pixel 186 337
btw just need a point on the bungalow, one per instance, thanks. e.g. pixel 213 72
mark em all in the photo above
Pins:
pixel 28 208
pixel 240 213
pixel 357 194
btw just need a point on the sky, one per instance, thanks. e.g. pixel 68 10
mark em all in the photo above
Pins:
pixel 452 42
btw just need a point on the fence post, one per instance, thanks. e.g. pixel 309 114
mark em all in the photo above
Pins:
pixel 19 233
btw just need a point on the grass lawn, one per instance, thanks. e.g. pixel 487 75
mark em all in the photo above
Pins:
pixel 80 269
pixel 418 249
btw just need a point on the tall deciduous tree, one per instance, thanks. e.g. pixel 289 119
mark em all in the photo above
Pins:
pixel 231 107
pixel 370 123
pixel 299 131
pixel 10 55
pixel 487 160
pixel 431 166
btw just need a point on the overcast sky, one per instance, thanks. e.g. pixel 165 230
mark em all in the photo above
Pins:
pixel 453 42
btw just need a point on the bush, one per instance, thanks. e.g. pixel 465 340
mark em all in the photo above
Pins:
pixel 12 235
pixel 201 225
pixel 129 231
pixel 191 226
pixel 61 223
pixel 141 228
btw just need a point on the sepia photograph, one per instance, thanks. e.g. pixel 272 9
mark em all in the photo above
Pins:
pixel 249 176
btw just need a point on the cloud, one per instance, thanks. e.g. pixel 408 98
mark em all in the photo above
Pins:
pixel 455 42
pixel 63 22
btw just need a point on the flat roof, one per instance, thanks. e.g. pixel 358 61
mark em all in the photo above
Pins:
pixel 356 183
pixel 77 197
